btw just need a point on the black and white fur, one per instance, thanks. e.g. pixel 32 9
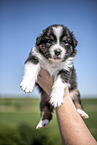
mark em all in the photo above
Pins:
pixel 55 52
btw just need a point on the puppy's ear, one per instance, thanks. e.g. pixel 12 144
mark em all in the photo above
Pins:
pixel 38 40
pixel 74 41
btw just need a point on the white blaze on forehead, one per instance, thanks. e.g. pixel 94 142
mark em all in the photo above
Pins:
pixel 58 31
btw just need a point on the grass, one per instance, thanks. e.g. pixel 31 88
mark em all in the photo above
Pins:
pixel 14 112
pixel 90 106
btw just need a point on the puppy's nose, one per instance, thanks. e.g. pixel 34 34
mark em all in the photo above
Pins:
pixel 57 52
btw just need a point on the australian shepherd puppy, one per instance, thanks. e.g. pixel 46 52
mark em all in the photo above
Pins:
pixel 55 52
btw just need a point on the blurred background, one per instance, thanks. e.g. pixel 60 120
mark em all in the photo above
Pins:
pixel 21 21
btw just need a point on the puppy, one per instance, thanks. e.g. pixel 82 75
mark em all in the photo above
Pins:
pixel 55 52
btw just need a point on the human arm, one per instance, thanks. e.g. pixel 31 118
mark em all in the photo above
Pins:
pixel 72 128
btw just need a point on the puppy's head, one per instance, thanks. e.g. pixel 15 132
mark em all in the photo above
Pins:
pixel 57 43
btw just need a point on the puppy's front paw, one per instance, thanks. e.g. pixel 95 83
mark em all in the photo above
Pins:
pixel 56 99
pixel 27 86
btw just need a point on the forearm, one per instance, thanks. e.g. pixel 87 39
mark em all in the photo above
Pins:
pixel 72 128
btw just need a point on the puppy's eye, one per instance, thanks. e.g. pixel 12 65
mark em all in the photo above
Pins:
pixel 50 40
pixel 46 40
pixel 65 41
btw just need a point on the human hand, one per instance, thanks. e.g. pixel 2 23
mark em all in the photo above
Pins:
pixel 45 81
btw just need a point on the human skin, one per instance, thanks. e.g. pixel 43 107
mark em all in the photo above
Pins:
pixel 72 128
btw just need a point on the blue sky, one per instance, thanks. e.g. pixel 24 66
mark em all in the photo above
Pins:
pixel 21 21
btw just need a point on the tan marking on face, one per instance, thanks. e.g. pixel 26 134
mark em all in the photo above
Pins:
pixel 51 37
pixel 64 38
pixel 71 48
pixel 40 46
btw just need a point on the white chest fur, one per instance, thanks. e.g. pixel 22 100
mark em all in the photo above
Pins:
pixel 52 68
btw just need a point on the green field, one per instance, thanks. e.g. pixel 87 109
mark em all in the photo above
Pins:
pixel 19 117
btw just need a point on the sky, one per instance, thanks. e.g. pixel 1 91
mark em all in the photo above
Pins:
pixel 21 21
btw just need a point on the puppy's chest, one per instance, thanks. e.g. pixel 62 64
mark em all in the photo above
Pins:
pixel 53 69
